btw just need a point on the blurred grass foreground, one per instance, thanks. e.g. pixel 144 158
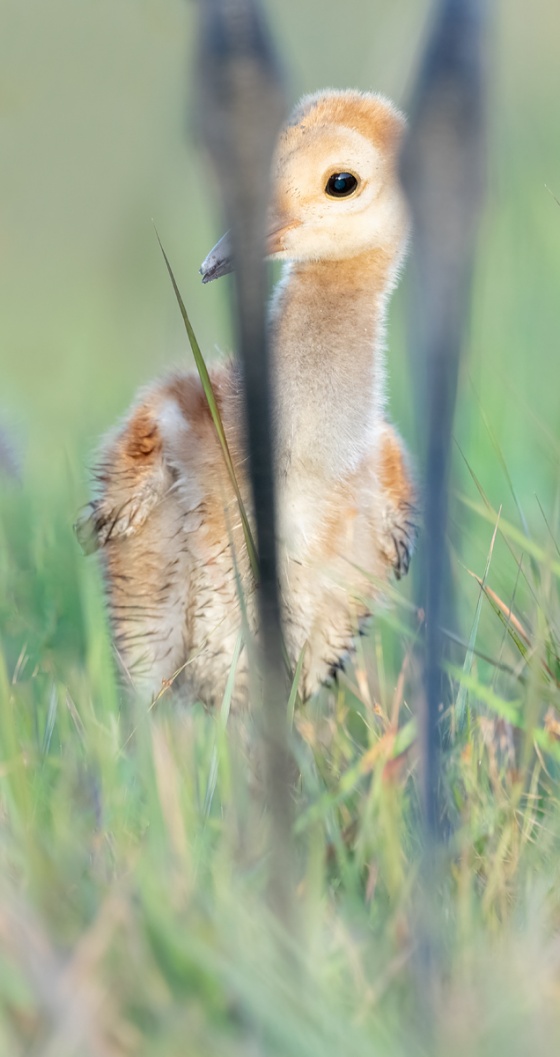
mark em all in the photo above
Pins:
pixel 132 854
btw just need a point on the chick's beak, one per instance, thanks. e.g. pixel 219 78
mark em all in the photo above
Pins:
pixel 220 262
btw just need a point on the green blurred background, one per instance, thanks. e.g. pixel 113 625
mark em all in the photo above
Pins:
pixel 95 142
pixel 96 103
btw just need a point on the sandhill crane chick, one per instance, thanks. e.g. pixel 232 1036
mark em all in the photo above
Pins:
pixel 165 517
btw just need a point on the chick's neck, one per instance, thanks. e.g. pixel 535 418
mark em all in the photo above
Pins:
pixel 327 321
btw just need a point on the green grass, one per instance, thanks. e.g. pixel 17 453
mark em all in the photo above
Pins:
pixel 133 855
pixel 133 913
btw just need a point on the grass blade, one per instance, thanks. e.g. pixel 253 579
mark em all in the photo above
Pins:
pixel 294 688
pixel 216 417
pixel 510 532
pixel 462 696
pixel 223 718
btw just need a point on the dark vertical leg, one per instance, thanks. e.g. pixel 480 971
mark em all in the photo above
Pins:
pixel 442 170
pixel 241 110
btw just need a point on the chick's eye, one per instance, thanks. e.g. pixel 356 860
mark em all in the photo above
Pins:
pixel 341 184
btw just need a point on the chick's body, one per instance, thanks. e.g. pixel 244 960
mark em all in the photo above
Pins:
pixel 166 518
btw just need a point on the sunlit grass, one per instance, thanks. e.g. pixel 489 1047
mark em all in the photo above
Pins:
pixel 133 916
pixel 132 844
